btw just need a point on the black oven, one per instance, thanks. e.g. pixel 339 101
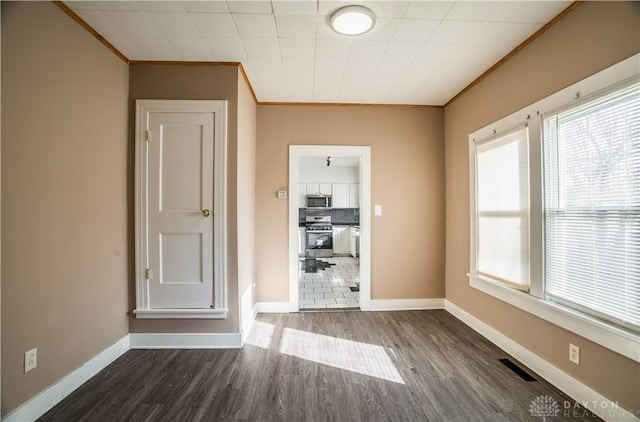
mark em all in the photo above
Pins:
pixel 319 240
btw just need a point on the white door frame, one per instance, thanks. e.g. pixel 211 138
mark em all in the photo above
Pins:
pixel 219 109
pixel 364 154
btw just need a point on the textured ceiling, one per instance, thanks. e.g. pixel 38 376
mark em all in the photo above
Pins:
pixel 419 52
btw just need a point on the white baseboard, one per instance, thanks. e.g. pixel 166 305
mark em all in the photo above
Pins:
pixel 589 398
pixel 271 308
pixel 45 400
pixel 185 340
pixel 405 304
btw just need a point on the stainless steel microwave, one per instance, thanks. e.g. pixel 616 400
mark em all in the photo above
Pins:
pixel 318 201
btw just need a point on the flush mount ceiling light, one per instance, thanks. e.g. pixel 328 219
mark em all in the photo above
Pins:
pixel 352 20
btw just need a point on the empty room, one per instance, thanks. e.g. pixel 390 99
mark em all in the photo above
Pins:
pixel 311 210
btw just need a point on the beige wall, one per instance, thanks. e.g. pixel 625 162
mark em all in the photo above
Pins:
pixel 594 36
pixel 407 180
pixel 246 197
pixel 183 82
pixel 64 207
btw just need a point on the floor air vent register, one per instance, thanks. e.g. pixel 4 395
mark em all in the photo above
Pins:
pixel 519 371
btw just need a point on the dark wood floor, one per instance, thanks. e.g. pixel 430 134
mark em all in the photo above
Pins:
pixel 334 366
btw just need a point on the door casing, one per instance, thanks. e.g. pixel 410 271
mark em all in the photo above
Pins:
pixel 219 109
pixel 364 154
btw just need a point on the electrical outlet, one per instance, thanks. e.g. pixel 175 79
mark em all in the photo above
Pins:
pixel 30 360
pixel 574 354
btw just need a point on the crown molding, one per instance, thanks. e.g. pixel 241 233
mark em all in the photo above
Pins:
pixel 240 67
pixel 66 9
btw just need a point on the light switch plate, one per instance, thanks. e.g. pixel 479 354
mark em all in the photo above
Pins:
pixel 30 360
pixel 377 210
pixel 282 194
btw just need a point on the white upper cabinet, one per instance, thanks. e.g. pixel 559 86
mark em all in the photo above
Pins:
pixel 344 195
pixel 313 188
pixel 340 195
pixel 325 188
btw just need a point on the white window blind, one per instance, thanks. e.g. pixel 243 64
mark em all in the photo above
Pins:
pixel 502 208
pixel 592 207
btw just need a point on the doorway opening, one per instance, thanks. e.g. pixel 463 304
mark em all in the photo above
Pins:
pixel 329 226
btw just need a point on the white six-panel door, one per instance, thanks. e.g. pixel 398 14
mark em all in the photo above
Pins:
pixel 179 224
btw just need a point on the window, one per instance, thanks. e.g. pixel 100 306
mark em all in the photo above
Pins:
pixel 503 208
pixel 555 208
pixel 592 206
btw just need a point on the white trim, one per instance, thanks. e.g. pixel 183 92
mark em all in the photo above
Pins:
pixel 271 308
pixel 185 340
pixel 219 109
pixel 247 313
pixel 604 334
pixel 580 392
pixel 54 394
pixel 406 304
pixel 364 154
pixel 181 313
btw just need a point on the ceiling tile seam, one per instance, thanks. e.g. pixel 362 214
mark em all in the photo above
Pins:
pixel 284 73
pixel 424 44
pixel 203 36
pixel 372 73
pixel 344 73
pixel 516 50
pixel 129 62
pixel 404 11
pixel 383 54
pixel 164 36
pixel 79 20
pixel 246 55
pixel 272 12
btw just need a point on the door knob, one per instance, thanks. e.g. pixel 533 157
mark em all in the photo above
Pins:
pixel 206 212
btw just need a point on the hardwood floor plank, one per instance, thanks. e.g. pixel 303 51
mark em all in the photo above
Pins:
pixel 319 366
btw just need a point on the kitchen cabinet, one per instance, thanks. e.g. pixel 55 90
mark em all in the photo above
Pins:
pixel 354 242
pixel 313 188
pixel 302 241
pixel 341 244
pixel 354 195
pixel 340 195
pixel 318 188
pixel 343 195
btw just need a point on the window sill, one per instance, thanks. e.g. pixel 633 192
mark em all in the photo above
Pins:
pixel 608 336
pixel 180 313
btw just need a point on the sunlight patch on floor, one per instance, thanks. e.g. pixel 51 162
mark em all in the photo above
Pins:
pixel 363 358
pixel 261 334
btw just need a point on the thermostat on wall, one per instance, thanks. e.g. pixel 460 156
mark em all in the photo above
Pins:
pixel 282 194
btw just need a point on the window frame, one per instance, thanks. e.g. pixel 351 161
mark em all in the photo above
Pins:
pixel 601 332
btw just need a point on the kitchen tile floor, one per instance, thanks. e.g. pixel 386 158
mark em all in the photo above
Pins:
pixel 329 288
